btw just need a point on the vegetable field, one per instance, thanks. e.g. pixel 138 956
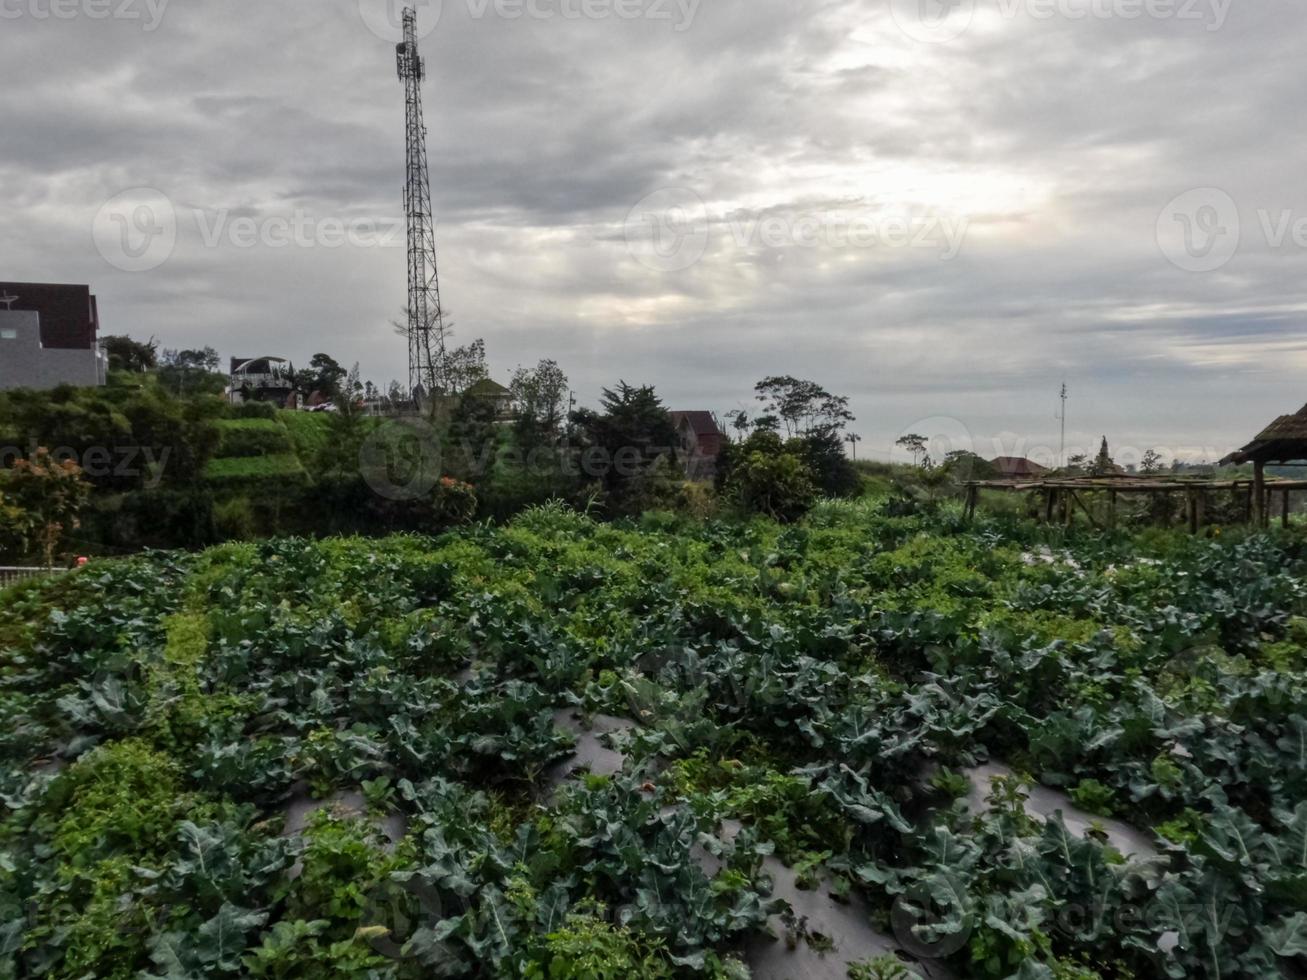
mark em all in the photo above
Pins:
pixel 355 758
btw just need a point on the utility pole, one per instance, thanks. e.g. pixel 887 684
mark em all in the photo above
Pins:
pixel 426 318
pixel 1061 453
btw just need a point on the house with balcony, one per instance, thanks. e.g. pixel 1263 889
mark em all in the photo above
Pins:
pixel 49 336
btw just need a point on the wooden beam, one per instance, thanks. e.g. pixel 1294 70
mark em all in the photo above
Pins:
pixel 1088 513
pixel 1259 494
pixel 1111 509
pixel 1284 512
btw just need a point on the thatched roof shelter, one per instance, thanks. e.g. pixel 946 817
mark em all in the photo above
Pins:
pixel 1284 440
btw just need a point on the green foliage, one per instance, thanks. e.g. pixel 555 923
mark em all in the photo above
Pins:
pixel 47 497
pixel 248 437
pixel 251 473
pixel 798 680
pixel 633 444
pixel 588 948
pixel 766 478
pixel 129 355
pixel 881 968
pixel 1093 796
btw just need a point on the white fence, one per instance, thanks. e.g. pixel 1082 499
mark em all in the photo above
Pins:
pixel 12 576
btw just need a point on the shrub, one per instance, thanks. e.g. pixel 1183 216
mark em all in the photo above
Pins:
pixel 454 502
pixel 832 470
pixel 255 410
pixel 234 519
pixel 766 478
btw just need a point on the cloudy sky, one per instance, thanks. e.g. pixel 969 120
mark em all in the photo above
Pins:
pixel 941 208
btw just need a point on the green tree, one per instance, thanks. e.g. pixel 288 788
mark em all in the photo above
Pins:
pixel 740 422
pixel 327 376
pixel 1103 463
pixel 803 406
pixel 541 394
pixel 191 372
pixel 462 368
pixel 831 470
pixel 629 447
pixel 962 464
pixel 472 442
pixel 1151 463
pixel 126 354
pixel 916 445
pixel 769 477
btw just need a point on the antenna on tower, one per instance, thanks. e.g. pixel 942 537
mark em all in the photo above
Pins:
pixel 426 318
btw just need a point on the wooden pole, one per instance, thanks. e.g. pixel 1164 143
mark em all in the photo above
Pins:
pixel 1049 498
pixel 1259 494
pixel 1193 512
pixel 1111 509
pixel 1284 511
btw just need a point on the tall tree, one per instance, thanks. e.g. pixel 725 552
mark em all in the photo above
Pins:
pixel 1103 463
pixel 327 375
pixel 916 445
pixel 803 406
pixel 740 422
pixel 541 394
pixel 636 443
pixel 463 367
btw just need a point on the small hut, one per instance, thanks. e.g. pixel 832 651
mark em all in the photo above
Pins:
pixel 1282 442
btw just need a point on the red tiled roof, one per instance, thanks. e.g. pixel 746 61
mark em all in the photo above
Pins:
pixel 703 423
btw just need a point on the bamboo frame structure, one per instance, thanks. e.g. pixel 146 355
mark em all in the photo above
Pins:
pixel 1063 495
